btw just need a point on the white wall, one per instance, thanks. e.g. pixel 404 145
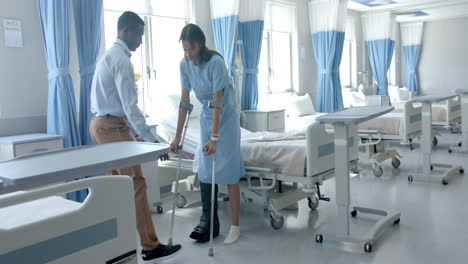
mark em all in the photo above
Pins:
pixel 23 73
pixel 443 65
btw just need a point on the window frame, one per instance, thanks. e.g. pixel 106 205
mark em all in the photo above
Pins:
pixel 149 57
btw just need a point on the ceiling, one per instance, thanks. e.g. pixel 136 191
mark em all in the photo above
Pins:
pixel 414 10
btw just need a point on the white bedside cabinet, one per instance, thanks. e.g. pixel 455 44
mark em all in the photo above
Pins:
pixel 22 145
pixel 264 120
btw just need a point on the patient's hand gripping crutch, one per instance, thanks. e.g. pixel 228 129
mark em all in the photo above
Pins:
pixel 189 108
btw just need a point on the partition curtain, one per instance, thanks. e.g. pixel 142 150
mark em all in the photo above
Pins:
pixel 251 22
pixel 87 15
pixel 328 24
pixel 411 37
pixel 379 33
pixel 225 17
pixel 61 107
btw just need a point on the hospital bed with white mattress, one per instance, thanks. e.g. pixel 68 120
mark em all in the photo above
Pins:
pixel 446 114
pixel 43 227
pixel 403 126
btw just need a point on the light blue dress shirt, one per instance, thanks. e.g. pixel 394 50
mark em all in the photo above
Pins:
pixel 113 90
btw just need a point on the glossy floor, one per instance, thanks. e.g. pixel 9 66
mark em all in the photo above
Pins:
pixel 432 229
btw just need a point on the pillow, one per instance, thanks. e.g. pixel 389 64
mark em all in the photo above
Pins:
pixel 394 93
pixel 404 94
pixel 361 88
pixel 357 99
pixel 301 106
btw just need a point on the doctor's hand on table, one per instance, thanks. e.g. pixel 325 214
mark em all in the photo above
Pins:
pixel 162 157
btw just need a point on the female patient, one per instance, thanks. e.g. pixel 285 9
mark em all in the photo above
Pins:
pixel 203 71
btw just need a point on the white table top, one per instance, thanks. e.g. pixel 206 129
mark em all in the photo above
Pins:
pixel 354 115
pixel 59 166
pixel 462 91
pixel 27 138
pixel 432 98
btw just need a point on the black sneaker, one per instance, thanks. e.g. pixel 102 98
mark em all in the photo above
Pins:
pixel 160 253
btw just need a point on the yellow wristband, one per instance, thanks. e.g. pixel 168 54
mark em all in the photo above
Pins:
pixel 215 135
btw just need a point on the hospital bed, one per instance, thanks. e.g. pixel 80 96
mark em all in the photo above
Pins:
pixel 446 114
pixel 403 126
pixel 37 225
pixel 281 168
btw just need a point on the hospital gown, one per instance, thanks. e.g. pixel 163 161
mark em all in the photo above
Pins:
pixel 205 80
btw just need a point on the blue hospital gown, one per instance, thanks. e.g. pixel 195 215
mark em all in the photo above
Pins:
pixel 205 80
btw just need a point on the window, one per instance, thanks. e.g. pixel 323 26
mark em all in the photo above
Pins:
pixel 276 66
pixel 157 59
pixel 348 60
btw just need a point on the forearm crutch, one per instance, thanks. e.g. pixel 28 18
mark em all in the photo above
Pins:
pixel 213 104
pixel 189 108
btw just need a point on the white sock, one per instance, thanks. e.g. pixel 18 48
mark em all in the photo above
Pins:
pixel 233 235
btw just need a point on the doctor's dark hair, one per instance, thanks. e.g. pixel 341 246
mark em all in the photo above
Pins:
pixel 194 34
pixel 130 20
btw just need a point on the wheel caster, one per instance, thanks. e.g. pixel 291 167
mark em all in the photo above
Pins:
pixel 319 239
pixel 410 178
pixel 226 199
pixel 432 168
pixel 276 221
pixel 435 141
pixel 353 213
pixel 368 247
pixel 460 144
pixel 378 171
pixel 450 151
pixel 396 163
pixel 159 209
pixel 396 222
pixel 181 201
pixel 444 182
pixel 461 171
pixel 313 203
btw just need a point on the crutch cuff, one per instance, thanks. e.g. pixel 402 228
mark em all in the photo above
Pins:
pixel 214 104
pixel 187 106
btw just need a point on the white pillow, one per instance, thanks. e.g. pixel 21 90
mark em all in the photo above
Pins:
pixel 404 94
pixel 394 93
pixel 301 106
pixel 361 88
pixel 357 99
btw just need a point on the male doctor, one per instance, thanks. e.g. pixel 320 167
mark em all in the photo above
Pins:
pixel 114 106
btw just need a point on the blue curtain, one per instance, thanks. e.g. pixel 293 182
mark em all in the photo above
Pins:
pixel 225 35
pixel 61 108
pixel 380 56
pixel 87 15
pixel 328 49
pixel 411 58
pixel 251 34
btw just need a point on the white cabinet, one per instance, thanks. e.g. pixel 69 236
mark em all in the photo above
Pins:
pixel 22 145
pixel 264 120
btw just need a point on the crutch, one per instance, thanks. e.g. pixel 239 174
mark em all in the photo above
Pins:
pixel 212 104
pixel 189 108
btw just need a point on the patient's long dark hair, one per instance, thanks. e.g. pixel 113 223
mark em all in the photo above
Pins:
pixel 194 34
